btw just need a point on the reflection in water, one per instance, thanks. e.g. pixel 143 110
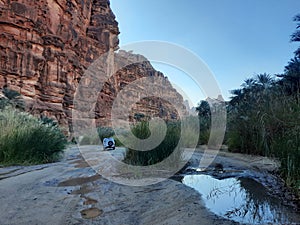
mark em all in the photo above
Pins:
pixel 243 200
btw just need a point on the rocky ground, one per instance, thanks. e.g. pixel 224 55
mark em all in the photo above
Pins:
pixel 262 169
pixel 70 192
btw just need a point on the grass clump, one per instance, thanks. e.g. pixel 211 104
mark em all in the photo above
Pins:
pixel 264 120
pixel 11 98
pixel 24 139
pixel 162 151
pixel 97 137
pixel 105 132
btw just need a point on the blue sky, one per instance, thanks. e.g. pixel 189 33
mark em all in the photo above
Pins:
pixel 237 39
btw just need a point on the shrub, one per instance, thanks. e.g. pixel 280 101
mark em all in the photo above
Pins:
pixel 105 132
pixel 266 122
pixel 118 143
pixel 4 102
pixel 12 98
pixel 191 132
pixel 10 94
pixel 97 138
pixel 162 151
pixel 24 139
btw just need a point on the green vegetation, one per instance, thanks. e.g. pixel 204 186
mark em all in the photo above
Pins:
pixel 264 117
pixel 24 139
pixel 178 135
pixel 11 98
pixel 162 151
pixel 190 131
pixel 97 137
pixel 105 132
pixel 205 121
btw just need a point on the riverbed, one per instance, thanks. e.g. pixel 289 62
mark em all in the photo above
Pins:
pixel 71 192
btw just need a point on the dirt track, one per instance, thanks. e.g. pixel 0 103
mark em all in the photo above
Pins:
pixel 70 192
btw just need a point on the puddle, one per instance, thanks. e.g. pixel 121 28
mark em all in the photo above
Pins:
pixel 79 181
pixel 242 200
pixel 89 201
pixel 91 213
pixel 84 189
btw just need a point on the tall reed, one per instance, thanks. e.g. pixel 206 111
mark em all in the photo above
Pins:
pixel 159 153
pixel 24 139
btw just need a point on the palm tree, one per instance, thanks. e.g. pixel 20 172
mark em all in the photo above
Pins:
pixel 203 109
pixel 296 35
pixel 248 83
pixel 264 80
pixel 291 78
pixel 237 98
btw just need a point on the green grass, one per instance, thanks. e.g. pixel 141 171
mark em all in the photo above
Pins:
pixel 162 151
pixel 24 139
pixel 179 135
pixel 13 99
pixel 270 127
pixel 97 138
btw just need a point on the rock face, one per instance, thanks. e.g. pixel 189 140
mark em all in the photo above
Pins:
pixel 134 74
pixel 46 46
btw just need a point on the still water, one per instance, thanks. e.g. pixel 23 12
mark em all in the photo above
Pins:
pixel 242 200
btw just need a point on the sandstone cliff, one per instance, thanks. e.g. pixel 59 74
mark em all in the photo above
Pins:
pixel 162 101
pixel 45 47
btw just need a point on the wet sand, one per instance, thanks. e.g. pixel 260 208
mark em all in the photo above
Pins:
pixel 70 192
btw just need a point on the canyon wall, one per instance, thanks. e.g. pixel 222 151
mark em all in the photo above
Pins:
pixel 46 47
pixel 162 99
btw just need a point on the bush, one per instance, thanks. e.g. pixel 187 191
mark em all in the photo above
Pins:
pixel 118 143
pixel 24 139
pixel 4 102
pixel 191 132
pixel 95 138
pixel 105 132
pixel 161 152
pixel 267 123
pixel 12 98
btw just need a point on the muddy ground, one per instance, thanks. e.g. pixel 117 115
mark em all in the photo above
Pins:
pixel 70 192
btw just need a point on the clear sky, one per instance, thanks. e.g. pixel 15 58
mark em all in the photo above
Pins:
pixel 237 39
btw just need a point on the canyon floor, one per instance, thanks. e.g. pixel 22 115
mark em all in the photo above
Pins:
pixel 70 192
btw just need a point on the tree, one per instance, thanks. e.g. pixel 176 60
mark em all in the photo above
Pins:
pixel 295 37
pixel 291 77
pixel 204 114
pixel 264 80
pixel 263 117
pixel 203 109
pixel 13 98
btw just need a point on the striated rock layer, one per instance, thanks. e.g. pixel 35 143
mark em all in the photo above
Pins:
pixel 47 45
pixel 149 92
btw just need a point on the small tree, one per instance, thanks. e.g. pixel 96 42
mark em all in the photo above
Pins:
pixel 13 98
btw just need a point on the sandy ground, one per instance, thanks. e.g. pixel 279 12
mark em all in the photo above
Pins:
pixel 70 192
